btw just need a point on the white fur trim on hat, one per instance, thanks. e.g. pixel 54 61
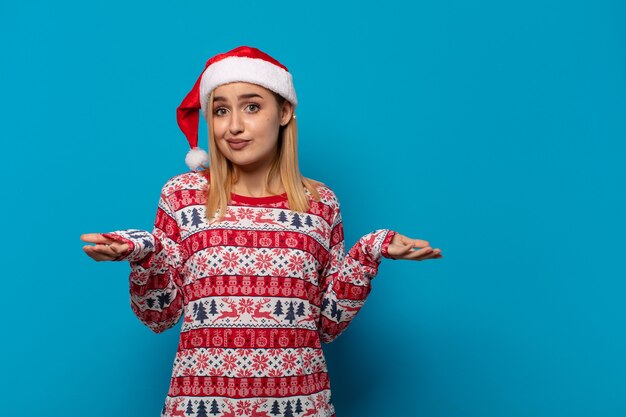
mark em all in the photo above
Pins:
pixel 244 69
pixel 197 158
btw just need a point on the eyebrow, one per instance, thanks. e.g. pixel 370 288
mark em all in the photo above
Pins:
pixel 241 97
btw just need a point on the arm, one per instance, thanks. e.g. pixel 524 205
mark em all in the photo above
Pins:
pixel 156 261
pixel 346 280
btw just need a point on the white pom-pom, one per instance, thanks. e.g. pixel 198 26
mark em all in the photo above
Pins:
pixel 196 158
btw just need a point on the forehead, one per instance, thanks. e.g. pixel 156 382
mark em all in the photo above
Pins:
pixel 238 88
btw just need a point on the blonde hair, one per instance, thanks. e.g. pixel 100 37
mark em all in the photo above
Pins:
pixel 285 164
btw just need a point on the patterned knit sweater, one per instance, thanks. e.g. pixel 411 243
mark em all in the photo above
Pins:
pixel 257 292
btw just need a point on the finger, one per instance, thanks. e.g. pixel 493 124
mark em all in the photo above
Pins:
pixel 436 253
pixel 105 250
pixel 95 238
pixel 402 240
pixel 414 242
pixel 413 254
pixel 431 255
pixel 119 248
pixel 407 248
pixel 96 255
pixel 115 249
pixel 398 250
pixel 418 243
pixel 418 254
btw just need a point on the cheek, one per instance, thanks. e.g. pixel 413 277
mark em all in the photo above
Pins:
pixel 265 127
pixel 219 127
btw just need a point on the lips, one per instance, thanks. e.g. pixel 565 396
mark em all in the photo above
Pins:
pixel 237 144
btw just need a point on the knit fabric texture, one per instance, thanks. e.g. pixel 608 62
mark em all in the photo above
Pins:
pixel 258 293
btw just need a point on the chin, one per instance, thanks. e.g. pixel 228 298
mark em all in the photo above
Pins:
pixel 242 162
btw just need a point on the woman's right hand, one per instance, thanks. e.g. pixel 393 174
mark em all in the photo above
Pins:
pixel 105 249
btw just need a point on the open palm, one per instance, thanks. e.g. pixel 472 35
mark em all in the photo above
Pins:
pixel 401 247
pixel 105 249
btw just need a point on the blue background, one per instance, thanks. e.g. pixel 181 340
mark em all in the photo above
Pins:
pixel 495 130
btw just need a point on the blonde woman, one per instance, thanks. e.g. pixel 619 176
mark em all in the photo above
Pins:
pixel 249 253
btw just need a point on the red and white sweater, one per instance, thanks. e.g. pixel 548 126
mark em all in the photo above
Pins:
pixel 258 293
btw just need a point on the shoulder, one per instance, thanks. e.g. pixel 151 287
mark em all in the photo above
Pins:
pixel 327 195
pixel 191 180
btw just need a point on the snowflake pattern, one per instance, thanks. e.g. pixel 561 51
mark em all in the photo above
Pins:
pixel 259 293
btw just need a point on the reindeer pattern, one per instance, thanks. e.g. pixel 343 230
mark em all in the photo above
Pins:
pixel 258 292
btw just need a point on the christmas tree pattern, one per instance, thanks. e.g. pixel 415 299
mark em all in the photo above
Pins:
pixel 298 408
pixel 202 410
pixel 214 408
pixel 288 411
pixel 295 221
pixel 290 313
pixel 335 311
pixel 308 221
pixel 137 234
pixel 254 321
pixel 325 302
pixel 163 298
pixel 196 220
pixel 213 308
pixel 200 312
pixel 275 408
pixel 183 219
pixel 278 309
pixel 300 310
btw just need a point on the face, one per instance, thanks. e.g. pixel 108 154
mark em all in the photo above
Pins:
pixel 246 119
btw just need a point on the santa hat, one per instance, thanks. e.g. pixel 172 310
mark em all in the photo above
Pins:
pixel 243 64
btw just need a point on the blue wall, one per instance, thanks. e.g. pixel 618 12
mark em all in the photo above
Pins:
pixel 495 130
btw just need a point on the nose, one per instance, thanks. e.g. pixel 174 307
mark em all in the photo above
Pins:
pixel 236 123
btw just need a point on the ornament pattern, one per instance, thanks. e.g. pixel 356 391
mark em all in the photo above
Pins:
pixel 258 293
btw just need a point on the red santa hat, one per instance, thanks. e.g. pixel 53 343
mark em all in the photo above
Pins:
pixel 242 64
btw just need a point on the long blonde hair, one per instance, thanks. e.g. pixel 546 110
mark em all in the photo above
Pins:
pixel 285 164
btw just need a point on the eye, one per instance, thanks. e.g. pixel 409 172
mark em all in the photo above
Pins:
pixel 253 108
pixel 220 111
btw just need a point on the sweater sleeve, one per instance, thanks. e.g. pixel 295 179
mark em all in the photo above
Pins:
pixel 346 281
pixel 156 261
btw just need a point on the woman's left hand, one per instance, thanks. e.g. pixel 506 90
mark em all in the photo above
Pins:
pixel 401 247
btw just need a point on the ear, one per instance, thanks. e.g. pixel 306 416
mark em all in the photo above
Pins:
pixel 286 112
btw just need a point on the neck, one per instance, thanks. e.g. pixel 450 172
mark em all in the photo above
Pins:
pixel 251 182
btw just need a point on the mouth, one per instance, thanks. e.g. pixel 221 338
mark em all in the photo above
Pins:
pixel 237 144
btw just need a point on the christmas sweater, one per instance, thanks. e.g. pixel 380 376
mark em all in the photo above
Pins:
pixel 257 292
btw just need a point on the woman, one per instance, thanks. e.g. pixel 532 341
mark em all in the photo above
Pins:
pixel 256 264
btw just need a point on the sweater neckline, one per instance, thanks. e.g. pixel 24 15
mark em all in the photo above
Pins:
pixel 251 199
pixel 264 199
